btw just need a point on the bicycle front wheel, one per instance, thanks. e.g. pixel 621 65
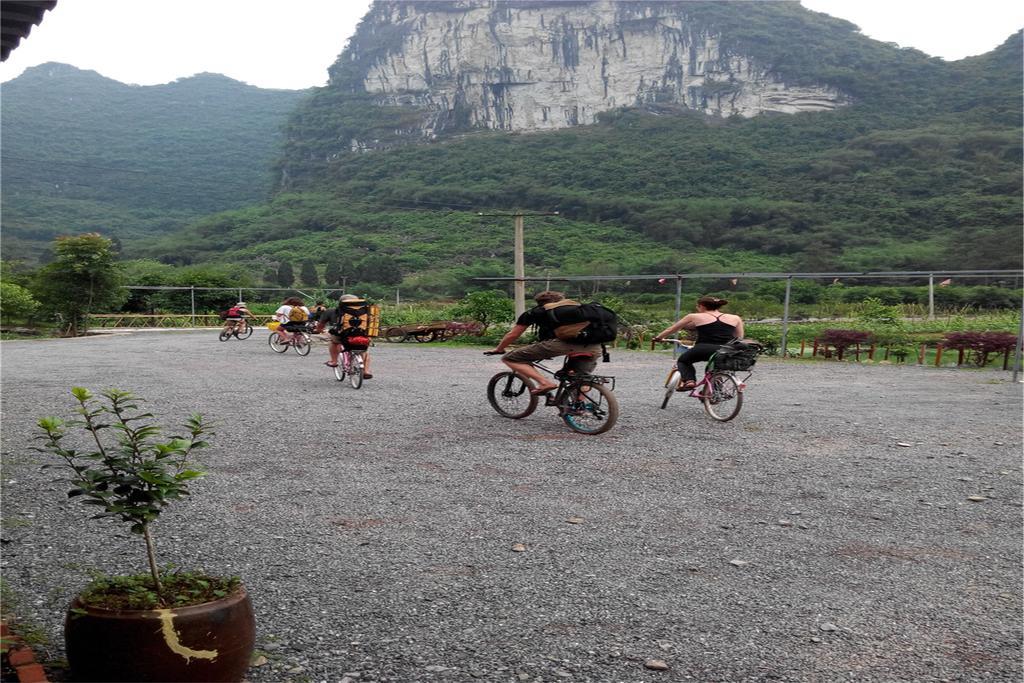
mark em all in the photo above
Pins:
pixel 509 395
pixel 355 371
pixel 244 334
pixel 276 344
pixel 589 408
pixel 225 335
pixel 670 386
pixel 303 344
pixel 722 397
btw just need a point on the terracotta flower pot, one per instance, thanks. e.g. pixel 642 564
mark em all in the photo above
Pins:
pixel 208 642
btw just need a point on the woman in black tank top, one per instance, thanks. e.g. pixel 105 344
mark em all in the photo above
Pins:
pixel 712 333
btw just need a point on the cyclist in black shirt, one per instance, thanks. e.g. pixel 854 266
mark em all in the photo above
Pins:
pixel 714 329
pixel 547 346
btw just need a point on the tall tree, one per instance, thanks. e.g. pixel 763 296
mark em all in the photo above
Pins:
pixel 285 274
pixel 332 273
pixel 379 268
pixel 83 277
pixel 308 273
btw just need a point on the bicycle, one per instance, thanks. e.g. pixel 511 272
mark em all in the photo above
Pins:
pixel 585 402
pixel 245 333
pixel 719 390
pixel 300 341
pixel 350 363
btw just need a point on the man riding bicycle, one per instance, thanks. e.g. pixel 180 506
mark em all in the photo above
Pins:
pixel 547 346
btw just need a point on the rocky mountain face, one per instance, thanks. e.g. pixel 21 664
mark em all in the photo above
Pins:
pixel 528 65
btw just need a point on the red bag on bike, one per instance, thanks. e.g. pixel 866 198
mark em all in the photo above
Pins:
pixel 356 343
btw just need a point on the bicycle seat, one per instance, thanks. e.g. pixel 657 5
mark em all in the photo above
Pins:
pixel 579 355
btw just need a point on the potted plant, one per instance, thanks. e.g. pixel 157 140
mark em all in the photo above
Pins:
pixel 153 626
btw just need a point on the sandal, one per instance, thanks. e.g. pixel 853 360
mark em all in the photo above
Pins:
pixel 367 375
pixel 688 385
pixel 331 365
pixel 540 391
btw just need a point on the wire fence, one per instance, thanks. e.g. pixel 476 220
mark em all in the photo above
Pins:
pixel 200 302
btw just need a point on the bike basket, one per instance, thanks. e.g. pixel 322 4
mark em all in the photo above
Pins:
pixel 273 325
pixel 735 359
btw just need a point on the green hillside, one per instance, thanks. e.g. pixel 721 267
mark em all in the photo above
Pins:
pixel 922 171
pixel 85 153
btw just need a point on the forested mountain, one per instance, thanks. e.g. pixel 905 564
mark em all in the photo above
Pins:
pixel 82 152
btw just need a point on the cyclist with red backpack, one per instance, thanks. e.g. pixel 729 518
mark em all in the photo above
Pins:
pixel 564 328
pixel 234 318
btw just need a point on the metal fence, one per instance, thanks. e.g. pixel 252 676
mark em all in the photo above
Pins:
pixel 679 278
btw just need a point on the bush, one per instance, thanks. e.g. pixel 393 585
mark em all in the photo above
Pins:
pixel 16 302
pixel 843 339
pixel 980 344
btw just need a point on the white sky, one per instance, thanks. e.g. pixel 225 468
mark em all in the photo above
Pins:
pixel 280 44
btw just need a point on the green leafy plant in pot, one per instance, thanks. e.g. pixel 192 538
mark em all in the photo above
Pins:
pixel 148 627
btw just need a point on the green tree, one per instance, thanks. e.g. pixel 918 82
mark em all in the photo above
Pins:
pixel 285 274
pixel 308 273
pixel 16 302
pixel 145 272
pixel 379 268
pixel 334 271
pixel 487 308
pixel 84 276
pixel 216 288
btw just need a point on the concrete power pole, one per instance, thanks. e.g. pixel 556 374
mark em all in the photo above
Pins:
pixel 518 260
pixel 519 290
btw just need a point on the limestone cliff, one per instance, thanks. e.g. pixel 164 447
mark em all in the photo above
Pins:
pixel 523 65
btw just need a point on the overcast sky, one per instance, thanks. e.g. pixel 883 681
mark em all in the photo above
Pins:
pixel 278 44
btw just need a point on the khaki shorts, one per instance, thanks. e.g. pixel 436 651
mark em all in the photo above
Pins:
pixel 553 348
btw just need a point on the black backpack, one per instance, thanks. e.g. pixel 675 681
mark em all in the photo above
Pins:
pixel 589 323
pixel 737 356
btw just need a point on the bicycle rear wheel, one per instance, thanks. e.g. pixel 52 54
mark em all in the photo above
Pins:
pixel 589 408
pixel 302 344
pixel 355 371
pixel 670 386
pixel 276 344
pixel 225 335
pixel 722 397
pixel 509 395
pixel 244 334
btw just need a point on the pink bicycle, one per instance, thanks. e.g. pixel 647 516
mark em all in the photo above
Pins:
pixel 350 364
pixel 281 339
pixel 719 390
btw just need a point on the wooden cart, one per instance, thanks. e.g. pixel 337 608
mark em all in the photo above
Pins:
pixel 433 331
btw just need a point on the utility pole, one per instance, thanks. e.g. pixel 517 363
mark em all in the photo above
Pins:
pixel 519 267
pixel 519 274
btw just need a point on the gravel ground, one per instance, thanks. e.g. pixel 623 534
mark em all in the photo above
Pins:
pixel 824 535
